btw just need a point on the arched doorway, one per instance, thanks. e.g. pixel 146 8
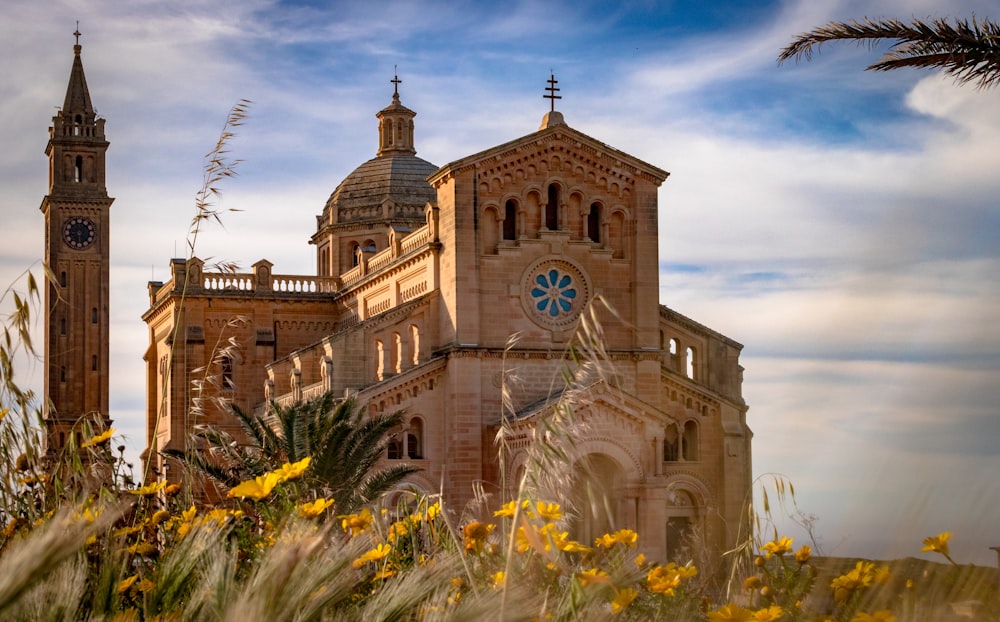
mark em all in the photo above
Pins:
pixel 597 496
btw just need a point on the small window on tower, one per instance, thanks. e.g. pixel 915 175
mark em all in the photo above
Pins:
pixel 78 169
pixel 62 326
pixel 93 315
pixel 62 279
pixel 227 373
pixel 93 362
pixel 62 374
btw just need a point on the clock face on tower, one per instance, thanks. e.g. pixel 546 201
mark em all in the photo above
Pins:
pixel 79 233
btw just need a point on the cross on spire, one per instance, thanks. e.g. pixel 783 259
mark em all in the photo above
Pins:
pixel 77 33
pixel 552 88
pixel 395 82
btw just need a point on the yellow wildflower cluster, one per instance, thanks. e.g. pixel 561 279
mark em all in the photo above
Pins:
pixel 314 508
pixel 937 544
pixel 779 547
pixel 356 524
pixel 261 486
pixel 666 579
pixel 474 536
pixel 626 537
pixel 863 575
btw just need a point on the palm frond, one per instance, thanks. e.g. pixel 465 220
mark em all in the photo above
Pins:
pixel 968 50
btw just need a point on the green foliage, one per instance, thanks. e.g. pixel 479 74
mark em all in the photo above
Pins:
pixel 969 50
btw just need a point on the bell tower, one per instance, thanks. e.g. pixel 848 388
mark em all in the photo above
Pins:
pixel 77 251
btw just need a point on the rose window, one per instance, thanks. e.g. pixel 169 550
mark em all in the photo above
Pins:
pixel 554 293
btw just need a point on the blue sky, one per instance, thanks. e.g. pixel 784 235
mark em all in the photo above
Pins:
pixel 839 223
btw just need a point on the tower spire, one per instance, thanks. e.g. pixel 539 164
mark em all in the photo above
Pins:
pixel 77 100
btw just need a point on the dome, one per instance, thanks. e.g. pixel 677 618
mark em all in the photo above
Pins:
pixel 396 175
pixel 400 178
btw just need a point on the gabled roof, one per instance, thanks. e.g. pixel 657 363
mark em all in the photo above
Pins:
pixel 558 132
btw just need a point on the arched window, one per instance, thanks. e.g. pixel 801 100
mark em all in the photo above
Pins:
pixel 227 373
pixel 552 209
pixel 689 442
pixel 671 444
pixel 355 254
pixel 78 169
pixel 415 343
pixel 594 223
pixel 394 448
pixel 397 353
pixel 510 220
pixel 691 363
pixel 415 439
pixel 379 360
pixel 93 315
pixel 62 374
pixel 62 279
pixel 93 362
pixel 672 347
pixel 62 326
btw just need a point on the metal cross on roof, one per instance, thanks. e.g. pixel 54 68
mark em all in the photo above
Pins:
pixel 551 88
pixel 395 81
pixel 77 33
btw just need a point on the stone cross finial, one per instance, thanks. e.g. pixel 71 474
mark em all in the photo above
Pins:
pixel 551 88
pixel 77 33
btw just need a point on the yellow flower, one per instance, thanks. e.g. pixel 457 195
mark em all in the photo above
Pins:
pixel 314 509
pixel 145 585
pixel 768 614
pixel 778 547
pixel 804 554
pixel 150 490
pixel 256 488
pixel 879 616
pixel 145 549
pixel 622 536
pixel 937 544
pixel 172 489
pixel 591 576
pixel 623 598
pixel 564 544
pixel 159 516
pixel 474 535
pixel 377 554
pixel 665 579
pixel 498 578
pixel 188 514
pixel 385 573
pixel 100 439
pixel 640 559
pixel 356 523
pixel 751 583
pixel 127 583
pixel 881 575
pixel 861 576
pixel 126 531
pixel 289 472
pixel 433 511
pixel 730 613
pixel 507 510
pixel 549 511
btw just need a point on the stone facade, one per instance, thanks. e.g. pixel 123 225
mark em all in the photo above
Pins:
pixel 423 275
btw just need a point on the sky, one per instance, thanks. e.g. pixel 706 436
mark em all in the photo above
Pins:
pixel 841 224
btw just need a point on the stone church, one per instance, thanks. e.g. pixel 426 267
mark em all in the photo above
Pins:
pixel 423 274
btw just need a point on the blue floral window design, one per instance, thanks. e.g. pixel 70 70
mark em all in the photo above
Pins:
pixel 553 292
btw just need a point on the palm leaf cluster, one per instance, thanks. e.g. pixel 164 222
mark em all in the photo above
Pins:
pixel 345 445
pixel 969 50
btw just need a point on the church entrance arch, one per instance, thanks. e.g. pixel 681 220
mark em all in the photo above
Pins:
pixel 597 497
